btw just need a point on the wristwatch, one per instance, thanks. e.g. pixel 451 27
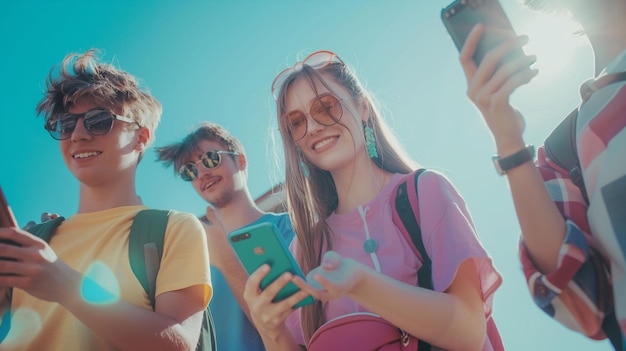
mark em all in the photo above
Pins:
pixel 503 164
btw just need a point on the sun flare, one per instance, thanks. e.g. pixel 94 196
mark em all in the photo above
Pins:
pixel 555 42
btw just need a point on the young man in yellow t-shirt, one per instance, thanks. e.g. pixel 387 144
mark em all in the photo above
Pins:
pixel 78 292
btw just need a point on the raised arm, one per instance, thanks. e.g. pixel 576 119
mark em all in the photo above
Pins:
pixel 223 257
pixel 489 87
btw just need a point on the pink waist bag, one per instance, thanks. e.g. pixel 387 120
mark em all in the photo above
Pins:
pixel 361 331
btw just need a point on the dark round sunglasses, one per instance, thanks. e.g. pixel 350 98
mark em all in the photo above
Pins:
pixel 97 122
pixel 209 160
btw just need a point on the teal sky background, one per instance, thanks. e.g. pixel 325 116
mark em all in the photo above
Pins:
pixel 215 60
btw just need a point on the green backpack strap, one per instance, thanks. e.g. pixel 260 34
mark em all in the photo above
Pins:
pixel 145 244
pixel 145 247
pixel 46 229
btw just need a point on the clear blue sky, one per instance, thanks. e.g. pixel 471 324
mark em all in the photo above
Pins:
pixel 215 60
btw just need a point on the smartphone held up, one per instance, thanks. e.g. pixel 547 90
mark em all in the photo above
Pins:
pixel 7 219
pixel 262 244
pixel 461 16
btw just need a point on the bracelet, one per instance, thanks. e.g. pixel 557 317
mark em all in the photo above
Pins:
pixel 503 164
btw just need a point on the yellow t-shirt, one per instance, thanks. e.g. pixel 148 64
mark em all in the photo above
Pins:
pixel 96 244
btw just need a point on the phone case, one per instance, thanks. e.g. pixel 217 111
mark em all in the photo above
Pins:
pixel 462 15
pixel 261 243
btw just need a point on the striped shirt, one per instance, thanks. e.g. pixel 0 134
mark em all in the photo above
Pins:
pixel 596 232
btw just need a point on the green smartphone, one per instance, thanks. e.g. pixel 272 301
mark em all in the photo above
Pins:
pixel 260 244
pixel 462 15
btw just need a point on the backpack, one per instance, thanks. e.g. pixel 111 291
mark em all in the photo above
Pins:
pixel 406 216
pixel 145 248
pixel 560 145
pixel 561 148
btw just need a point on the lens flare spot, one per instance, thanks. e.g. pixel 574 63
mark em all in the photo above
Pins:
pixel 5 325
pixel 25 324
pixel 100 285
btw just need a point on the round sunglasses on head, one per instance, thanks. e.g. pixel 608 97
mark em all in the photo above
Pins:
pixel 316 60
pixel 326 110
pixel 209 160
pixel 97 122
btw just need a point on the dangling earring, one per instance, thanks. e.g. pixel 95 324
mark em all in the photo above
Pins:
pixel 303 166
pixel 370 142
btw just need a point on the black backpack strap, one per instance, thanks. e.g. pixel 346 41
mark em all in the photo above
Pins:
pixel 606 299
pixel 611 329
pixel 407 215
pixel 145 247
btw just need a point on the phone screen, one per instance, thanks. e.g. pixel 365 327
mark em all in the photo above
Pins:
pixel 462 15
pixel 260 244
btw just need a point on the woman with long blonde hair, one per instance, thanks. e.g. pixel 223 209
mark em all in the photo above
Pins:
pixel 342 164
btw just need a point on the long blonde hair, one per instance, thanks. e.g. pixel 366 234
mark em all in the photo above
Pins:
pixel 310 200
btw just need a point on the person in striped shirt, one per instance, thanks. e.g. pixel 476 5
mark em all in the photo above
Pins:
pixel 573 247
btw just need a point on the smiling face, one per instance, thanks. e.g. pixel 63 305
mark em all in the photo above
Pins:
pixel 97 160
pixel 219 185
pixel 329 147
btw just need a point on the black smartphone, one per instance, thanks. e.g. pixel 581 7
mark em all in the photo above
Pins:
pixel 462 15
pixel 261 243
pixel 7 219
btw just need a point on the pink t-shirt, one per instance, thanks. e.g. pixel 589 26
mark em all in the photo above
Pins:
pixel 448 235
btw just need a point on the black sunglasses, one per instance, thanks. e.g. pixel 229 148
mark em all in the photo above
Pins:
pixel 210 160
pixel 97 122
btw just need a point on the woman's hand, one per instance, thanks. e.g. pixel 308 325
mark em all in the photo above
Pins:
pixel 334 278
pixel 269 317
pixel 491 84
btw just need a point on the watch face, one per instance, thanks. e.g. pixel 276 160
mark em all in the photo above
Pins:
pixel 496 164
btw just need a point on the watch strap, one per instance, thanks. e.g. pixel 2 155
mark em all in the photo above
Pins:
pixel 504 164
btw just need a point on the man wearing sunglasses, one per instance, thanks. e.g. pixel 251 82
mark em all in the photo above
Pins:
pixel 215 164
pixel 78 292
